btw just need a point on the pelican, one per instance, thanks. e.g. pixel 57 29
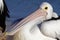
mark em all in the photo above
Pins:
pixel 51 27
pixel 3 14
pixel 27 29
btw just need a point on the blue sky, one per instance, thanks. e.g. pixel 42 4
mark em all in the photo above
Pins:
pixel 22 8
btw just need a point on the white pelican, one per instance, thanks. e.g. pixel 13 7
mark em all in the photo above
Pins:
pixel 27 29
pixel 51 27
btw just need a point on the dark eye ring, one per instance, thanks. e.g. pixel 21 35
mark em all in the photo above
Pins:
pixel 46 8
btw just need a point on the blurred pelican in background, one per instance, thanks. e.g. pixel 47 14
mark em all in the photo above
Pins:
pixel 3 14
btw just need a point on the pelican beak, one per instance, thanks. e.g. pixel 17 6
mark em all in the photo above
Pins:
pixel 34 15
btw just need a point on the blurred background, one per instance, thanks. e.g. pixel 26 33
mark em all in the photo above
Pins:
pixel 21 8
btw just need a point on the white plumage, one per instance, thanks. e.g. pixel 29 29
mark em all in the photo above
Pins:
pixel 51 28
pixel 30 32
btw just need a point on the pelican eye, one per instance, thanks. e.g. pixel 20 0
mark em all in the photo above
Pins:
pixel 46 8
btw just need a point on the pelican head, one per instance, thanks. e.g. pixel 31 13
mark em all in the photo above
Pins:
pixel 49 9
